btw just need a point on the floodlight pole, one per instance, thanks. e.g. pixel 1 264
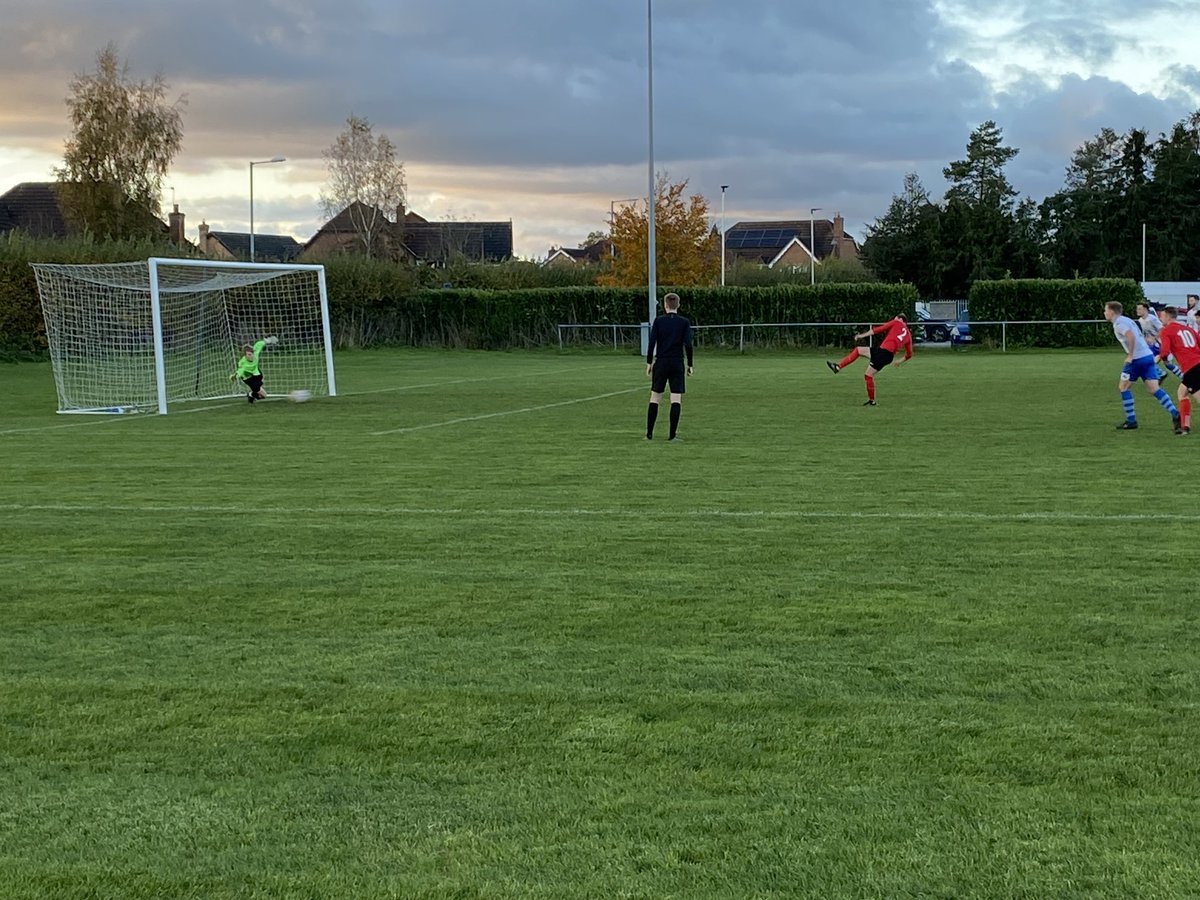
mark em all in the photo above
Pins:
pixel 651 275
pixel 1143 253
pixel 812 244
pixel 723 189
pixel 253 163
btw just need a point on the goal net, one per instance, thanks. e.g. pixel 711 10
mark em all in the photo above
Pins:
pixel 138 336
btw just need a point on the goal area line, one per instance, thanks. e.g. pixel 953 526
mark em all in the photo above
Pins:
pixel 528 512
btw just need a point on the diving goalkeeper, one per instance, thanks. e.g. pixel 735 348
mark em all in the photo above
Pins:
pixel 248 371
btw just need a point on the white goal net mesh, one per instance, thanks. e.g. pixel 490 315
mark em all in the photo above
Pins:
pixel 106 342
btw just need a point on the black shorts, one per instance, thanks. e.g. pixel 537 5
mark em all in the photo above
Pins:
pixel 667 371
pixel 254 382
pixel 1191 379
pixel 880 358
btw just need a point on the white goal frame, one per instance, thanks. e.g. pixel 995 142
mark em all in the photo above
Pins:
pixel 61 317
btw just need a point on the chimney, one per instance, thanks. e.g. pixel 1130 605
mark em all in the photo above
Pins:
pixel 204 238
pixel 400 212
pixel 175 226
pixel 839 227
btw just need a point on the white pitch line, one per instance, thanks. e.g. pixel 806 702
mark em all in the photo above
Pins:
pixel 108 420
pixel 121 417
pixel 433 384
pixel 602 513
pixel 507 412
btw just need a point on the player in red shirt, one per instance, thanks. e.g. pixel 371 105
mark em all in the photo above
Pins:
pixel 896 334
pixel 1176 339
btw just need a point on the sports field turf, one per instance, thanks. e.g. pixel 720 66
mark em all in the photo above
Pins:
pixel 945 647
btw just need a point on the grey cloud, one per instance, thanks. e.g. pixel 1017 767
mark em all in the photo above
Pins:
pixel 542 102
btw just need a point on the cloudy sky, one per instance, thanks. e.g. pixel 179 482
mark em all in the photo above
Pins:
pixel 535 110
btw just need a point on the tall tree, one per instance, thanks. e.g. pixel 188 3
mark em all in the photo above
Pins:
pixel 901 245
pixel 366 181
pixel 124 136
pixel 979 204
pixel 979 180
pixel 685 246
pixel 1171 209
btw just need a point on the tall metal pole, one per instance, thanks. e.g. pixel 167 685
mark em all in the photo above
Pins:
pixel 812 244
pixel 723 188
pixel 651 274
pixel 1143 252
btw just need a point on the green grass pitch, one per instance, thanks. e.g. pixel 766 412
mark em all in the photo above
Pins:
pixel 461 632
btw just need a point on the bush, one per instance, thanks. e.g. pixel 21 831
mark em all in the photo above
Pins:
pixel 379 303
pixel 528 318
pixel 22 328
pixel 1033 298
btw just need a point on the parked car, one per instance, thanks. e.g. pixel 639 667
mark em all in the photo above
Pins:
pixel 943 321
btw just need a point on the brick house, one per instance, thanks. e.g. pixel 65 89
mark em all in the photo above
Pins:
pixel 789 244
pixel 413 237
pixel 593 254
pixel 235 245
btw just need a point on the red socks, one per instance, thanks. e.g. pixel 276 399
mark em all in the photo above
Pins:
pixel 870 386
pixel 1185 412
pixel 848 358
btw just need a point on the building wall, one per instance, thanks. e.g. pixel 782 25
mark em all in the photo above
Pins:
pixel 794 256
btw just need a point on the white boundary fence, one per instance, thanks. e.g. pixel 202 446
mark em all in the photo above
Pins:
pixel 619 334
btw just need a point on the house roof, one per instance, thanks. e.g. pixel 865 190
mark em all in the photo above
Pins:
pixel 32 206
pixel 760 237
pixel 592 253
pixel 267 247
pixel 434 241
pixel 430 241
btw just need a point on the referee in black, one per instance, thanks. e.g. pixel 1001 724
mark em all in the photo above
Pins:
pixel 671 335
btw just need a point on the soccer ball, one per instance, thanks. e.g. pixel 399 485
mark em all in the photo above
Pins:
pixel 299 396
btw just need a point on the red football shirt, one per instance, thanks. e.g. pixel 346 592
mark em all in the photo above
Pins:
pixel 895 335
pixel 1177 340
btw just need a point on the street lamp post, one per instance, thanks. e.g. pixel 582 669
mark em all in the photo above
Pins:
pixel 723 189
pixel 812 244
pixel 253 163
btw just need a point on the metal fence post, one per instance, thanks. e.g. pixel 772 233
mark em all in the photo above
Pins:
pixel 1003 337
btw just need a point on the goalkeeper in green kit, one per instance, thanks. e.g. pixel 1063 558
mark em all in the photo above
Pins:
pixel 249 372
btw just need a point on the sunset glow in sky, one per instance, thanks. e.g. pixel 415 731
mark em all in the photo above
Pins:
pixel 535 110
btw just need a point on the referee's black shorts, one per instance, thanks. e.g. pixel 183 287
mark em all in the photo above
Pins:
pixel 880 358
pixel 1191 379
pixel 667 371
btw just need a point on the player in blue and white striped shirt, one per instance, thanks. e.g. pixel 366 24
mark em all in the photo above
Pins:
pixel 1148 319
pixel 1139 363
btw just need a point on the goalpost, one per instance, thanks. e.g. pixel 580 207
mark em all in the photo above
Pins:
pixel 127 337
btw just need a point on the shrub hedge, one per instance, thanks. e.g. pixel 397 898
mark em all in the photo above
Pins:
pixel 1031 298
pixel 374 303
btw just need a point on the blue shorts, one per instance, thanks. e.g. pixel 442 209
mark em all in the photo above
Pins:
pixel 1155 349
pixel 1143 367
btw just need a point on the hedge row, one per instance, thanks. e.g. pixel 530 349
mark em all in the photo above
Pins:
pixel 380 304
pixel 1025 299
pixel 527 318
pixel 22 330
